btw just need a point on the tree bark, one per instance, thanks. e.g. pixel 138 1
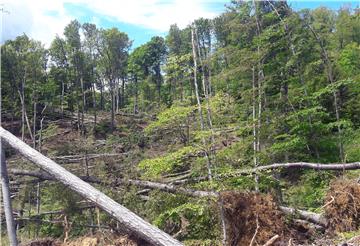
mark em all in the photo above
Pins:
pixel 306 165
pixel 139 183
pixel 315 218
pixel 198 101
pixel 255 149
pixel 24 119
pixel 131 221
pixel 10 225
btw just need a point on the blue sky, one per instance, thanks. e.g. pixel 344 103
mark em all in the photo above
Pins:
pixel 140 19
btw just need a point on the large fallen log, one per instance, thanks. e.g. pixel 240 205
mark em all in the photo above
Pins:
pixel 168 188
pixel 79 158
pixel 139 183
pixel 315 218
pixel 305 165
pixel 128 219
pixel 45 176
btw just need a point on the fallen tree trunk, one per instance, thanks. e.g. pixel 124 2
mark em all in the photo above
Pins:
pixel 6 198
pixel 139 183
pixel 305 165
pixel 78 158
pixel 130 221
pixel 315 218
pixel 168 188
pixel 45 176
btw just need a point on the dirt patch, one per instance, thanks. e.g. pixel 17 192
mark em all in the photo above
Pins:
pixel 102 240
pixel 250 215
pixel 342 206
pixel 42 242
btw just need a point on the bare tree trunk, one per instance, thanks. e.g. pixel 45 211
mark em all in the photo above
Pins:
pixel 117 96
pixel 83 94
pixel 199 103
pixel 94 103
pixel 34 124
pixel 260 78
pixel 305 165
pixel 122 104
pixel 26 119
pixel 136 106
pixel 112 106
pixel 21 93
pixel 131 221
pixel 10 225
pixel 62 97
pixel 101 95
pixel 255 149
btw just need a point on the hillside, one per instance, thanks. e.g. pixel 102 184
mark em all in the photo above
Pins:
pixel 237 130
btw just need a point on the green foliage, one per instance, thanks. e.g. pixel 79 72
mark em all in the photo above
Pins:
pixel 352 146
pixel 167 163
pixel 310 191
pixel 171 117
pixel 102 128
pixel 195 219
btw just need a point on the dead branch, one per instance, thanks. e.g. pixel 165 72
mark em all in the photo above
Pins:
pixel 256 230
pixel 168 188
pixel 272 240
pixel 305 165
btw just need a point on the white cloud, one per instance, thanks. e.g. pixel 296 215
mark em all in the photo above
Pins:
pixel 153 14
pixel 37 18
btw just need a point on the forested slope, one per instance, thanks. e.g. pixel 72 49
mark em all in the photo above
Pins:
pixel 215 133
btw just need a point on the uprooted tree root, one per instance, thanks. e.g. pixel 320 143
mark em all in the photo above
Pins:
pixel 342 206
pixel 252 217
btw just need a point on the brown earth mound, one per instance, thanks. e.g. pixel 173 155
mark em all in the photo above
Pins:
pixel 103 239
pixel 249 216
pixel 342 206
pixel 42 242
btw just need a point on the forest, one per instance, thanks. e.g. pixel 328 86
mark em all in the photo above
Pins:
pixel 243 129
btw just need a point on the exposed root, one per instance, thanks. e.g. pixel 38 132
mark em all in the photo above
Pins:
pixel 343 206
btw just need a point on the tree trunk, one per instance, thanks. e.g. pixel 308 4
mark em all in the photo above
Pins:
pixel 198 102
pixel 101 94
pixel 21 93
pixel 94 103
pixel 255 149
pixel 112 106
pixel 34 125
pixel 136 106
pixel 309 216
pixel 62 97
pixel 26 119
pixel 10 225
pixel 131 221
pixel 306 165
pixel 117 96
pixel 122 104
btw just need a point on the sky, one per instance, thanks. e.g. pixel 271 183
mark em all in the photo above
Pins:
pixel 140 19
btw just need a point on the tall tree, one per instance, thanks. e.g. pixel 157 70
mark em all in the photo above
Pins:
pixel 113 52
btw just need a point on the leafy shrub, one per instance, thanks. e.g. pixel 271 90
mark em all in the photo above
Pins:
pixel 167 163
pixel 190 221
